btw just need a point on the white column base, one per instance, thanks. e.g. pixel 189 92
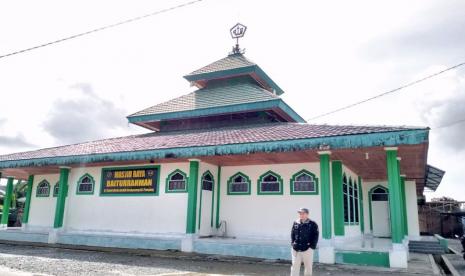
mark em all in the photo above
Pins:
pixel 53 235
pixel 3 226
pixel 326 254
pixel 398 256
pixel 187 243
pixel 339 241
pixel 405 242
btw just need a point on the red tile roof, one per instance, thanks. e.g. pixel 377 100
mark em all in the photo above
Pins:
pixel 206 137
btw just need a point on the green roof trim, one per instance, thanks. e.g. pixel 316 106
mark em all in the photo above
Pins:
pixel 276 103
pixel 237 71
pixel 389 138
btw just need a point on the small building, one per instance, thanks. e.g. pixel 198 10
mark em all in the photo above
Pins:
pixel 222 170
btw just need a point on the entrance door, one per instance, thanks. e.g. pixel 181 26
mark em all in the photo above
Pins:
pixel 206 201
pixel 380 212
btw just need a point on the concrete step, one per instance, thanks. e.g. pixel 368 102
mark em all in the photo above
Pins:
pixel 429 247
pixel 423 242
pixel 428 251
pixel 425 246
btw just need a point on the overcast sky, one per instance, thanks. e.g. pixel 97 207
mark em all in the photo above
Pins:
pixel 323 54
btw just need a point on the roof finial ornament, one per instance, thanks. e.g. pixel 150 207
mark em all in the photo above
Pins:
pixel 237 32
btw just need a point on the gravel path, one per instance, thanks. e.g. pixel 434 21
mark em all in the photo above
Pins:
pixel 21 260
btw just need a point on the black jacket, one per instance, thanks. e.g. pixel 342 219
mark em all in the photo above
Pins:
pixel 304 235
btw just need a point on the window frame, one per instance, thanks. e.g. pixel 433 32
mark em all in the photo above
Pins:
pixel 231 180
pixel 80 182
pixel 168 179
pixel 356 203
pixel 279 180
pixel 202 179
pixel 345 198
pixel 38 186
pixel 293 180
pixel 352 199
pixel 57 185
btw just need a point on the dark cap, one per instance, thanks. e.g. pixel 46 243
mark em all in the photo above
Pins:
pixel 302 210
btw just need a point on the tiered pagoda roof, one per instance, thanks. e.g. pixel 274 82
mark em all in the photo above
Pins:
pixel 230 86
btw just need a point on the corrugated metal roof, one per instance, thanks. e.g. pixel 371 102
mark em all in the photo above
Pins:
pixel 433 177
pixel 224 95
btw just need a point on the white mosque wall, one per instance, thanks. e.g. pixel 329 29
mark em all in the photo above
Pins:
pixel 266 216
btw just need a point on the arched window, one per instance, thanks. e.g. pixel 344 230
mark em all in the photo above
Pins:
pixel 56 189
pixel 304 183
pixel 270 183
pixel 207 181
pixel 176 182
pixel 43 189
pixel 345 190
pixel 379 194
pixel 351 200
pixel 85 185
pixel 239 184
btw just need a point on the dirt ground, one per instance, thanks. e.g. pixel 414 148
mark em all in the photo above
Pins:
pixel 22 260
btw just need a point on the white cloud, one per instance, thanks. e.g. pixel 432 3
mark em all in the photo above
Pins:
pixel 82 116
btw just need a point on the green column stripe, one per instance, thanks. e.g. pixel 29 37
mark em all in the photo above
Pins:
pixel 200 207
pixel 360 207
pixel 213 202
pixel 218 196
pixel 27 205
pixel 404 205
pixel 192 196
pixel 401 201
pixel 7 200
pixel 338 198
pixel 325 196
pixel 394 196
pixel 370 212
pixel 61 199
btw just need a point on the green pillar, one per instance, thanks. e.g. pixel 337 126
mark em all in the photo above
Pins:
pixel 61 199
pixel 401 199
pixel 218 196
pixel 325 194
pixel 338 198
pixel 192 196
pixel 7 201
pixel 27 205
pixel 404 204
pixel 360 206
pixel 394 195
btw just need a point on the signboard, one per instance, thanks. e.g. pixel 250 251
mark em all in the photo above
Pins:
pixel 130 180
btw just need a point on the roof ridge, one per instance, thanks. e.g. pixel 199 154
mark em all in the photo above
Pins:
pixel 377 125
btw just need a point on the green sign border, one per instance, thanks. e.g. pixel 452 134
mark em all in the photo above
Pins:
pixel 131 167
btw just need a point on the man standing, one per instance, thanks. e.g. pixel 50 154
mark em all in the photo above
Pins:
pixel 304 237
